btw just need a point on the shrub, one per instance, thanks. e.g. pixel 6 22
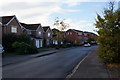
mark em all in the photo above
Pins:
pixel 9 39
pixel 23 48
pixel 109 31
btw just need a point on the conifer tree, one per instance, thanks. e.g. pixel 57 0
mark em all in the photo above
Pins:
pixel 109 34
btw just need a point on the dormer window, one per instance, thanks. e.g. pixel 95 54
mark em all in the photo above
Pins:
pixel 48 34
pixel 14 29
pixel 39 33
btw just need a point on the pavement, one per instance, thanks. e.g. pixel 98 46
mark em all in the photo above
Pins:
pixel 90 67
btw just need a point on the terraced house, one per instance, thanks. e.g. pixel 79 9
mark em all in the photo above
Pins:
pixel 55 36
pixel 10 24
pixel 35 31
pixel 75 36
pixel 41 36
pixel 78 36
pixel 48 34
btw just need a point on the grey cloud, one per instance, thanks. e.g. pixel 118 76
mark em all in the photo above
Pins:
pixel 25 5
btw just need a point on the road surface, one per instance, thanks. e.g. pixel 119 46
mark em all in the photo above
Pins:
pixel 57 65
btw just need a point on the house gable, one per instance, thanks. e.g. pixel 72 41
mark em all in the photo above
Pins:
pixel 73 35
pixel 5 20
pixel 40 32
pixel 10 24
pixel 47 32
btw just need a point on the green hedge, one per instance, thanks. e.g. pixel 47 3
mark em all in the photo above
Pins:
pixel 23 48
pixel 9 39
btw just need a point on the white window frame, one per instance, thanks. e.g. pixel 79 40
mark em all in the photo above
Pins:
pixel 68 33
pixel 49 34
pixel 14 29
pixel 39 32
pixel 80 33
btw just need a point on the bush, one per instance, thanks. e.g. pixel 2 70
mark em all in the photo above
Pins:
pixel 9 39
pixel 109 31
pixel 23 48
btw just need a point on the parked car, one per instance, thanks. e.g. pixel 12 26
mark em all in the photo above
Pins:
pixel 1 49
pixel 87 45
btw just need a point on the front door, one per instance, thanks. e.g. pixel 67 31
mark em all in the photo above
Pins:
pixel 41 43
pixel 37 44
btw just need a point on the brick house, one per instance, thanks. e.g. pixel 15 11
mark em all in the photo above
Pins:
pixel 55 36
pixel 88 35
pixel 48 33
pixel 35 31
pixel 10 24
pixel 75 36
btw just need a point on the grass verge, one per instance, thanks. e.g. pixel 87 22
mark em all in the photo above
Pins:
pixel 114 70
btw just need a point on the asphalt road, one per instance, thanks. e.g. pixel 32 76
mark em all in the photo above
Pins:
pixel 57 65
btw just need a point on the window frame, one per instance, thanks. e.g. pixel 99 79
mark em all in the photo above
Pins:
pixel 13 29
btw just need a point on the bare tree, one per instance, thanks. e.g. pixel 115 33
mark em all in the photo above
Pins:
pixel 61 25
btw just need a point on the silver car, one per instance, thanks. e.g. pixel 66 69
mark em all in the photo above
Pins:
pixel 1 49
pixel 87 45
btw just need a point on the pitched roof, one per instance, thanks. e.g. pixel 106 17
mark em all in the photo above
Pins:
pixel 90 33
pixel 30 26
pixel 35 37
pixel 6 19
pixel 77 30
pixel 55 30
pixel 45 28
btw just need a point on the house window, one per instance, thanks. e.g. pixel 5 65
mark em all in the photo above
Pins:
pixel 85 34
pixel 29 32
pixel 79 33
pixel 0 23
pixel 39 33
pixel 68 33
pixel 48 34
pixel 13 29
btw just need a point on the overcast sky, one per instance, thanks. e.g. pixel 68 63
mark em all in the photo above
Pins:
pixel 79 14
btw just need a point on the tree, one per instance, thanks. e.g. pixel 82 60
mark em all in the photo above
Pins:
pixel 61 25
pixel 109 31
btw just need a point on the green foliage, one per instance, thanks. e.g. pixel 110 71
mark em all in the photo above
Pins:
pixel 61 25
pixel 9 39
pixel 23 48
pixel 90 39
pixel 109 31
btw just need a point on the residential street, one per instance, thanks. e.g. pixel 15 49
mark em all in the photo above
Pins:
pixel 57 65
